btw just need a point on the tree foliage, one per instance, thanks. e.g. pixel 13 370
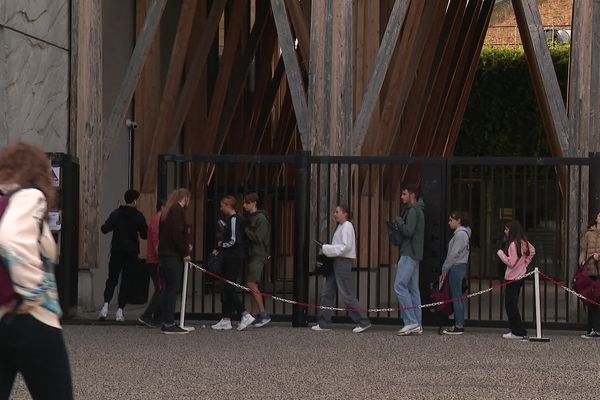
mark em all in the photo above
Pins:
pixel 502 116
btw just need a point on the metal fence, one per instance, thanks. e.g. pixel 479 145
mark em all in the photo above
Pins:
pixel 300 192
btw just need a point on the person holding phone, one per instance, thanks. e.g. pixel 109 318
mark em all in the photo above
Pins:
pixel 343 251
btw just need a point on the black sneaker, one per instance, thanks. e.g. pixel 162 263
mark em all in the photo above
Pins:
pixel 148 322
pixel 454 331
pixel 173 330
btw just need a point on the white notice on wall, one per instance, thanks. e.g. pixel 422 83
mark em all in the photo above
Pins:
pixel 54 220
pixel 56 176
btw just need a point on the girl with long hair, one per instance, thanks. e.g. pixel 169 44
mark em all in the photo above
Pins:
pixel 173 250
pixel 31 339
pixel 590 248
pixel 520 254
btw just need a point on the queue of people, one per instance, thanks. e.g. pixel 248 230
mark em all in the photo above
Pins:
pixel 245 246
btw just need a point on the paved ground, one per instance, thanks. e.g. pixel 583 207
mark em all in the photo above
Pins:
pixel 279 362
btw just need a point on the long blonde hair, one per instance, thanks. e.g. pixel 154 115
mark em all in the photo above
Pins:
pixel 175 197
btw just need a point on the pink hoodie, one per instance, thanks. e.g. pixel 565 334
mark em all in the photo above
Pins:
pixel 515 266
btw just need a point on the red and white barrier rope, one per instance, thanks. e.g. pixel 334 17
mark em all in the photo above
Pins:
pixel 568 290
pixel 369 310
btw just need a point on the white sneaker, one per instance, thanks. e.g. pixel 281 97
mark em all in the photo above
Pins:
pixel 411 328
pixel 318 328
pixel 247 320
pixel 360 329
pixel 103 312
pixel 510 336
pixel 222 325
pixel 120 317
pixel 418 331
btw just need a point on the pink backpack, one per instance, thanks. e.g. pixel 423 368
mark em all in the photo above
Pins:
pixel 7 292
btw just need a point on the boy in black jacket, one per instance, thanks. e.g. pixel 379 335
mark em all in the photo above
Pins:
pixel 126 223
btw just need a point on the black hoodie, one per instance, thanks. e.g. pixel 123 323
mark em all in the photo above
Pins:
pixel 126 222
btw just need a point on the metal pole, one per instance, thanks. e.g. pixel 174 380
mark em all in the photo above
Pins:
pixel 538 313
pixel 186 267
pixel 300 238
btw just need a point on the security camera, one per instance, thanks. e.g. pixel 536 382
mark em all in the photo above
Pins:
pixel 131 124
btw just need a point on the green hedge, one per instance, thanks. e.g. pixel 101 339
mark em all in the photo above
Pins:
pixel 502 116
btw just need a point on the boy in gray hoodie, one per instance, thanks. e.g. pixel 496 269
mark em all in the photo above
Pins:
pixel 406 284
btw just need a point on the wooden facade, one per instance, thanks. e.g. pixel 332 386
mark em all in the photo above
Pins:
pixel 336 77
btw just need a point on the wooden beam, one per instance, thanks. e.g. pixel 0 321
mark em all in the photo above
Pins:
pixel 171 88
pixel 132 75
pixel 292 67
pixel 86 113
pixel 301 29
pixel 547 90
pixel 384 57
pixel 463 100
pixel 169 125
pixel 240 74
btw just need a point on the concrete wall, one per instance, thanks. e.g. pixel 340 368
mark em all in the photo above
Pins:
pixel 34 72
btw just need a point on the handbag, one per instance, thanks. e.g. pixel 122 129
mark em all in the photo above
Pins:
pixel 214 263
pixel 323 265
pixel 443 294
pixel 586 285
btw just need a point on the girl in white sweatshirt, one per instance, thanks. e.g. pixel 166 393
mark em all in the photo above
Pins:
pixel 31 340
pixel 343 250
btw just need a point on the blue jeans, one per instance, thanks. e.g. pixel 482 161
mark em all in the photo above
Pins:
pixel 406 286
pixel 456 275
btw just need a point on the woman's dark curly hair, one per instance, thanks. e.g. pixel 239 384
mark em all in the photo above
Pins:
pixel 27 166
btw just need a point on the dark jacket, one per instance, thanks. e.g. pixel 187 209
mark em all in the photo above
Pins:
pixel 234 238
pixel 126 222
pixel 172 234
pixel 412 228
pixel 258 232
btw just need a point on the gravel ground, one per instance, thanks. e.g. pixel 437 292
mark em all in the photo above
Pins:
pixel 280 362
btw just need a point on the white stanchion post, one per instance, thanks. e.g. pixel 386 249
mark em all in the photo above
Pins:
pixel 186 268
pixel 538 311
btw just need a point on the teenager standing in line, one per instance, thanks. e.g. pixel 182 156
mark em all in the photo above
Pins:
pixel 233 249
pixel 343 251
pixel 173 250
pixel 590 247
pixel 31 339
pixel 126 223
pixel 151 316
pixel 520 254
pixel 258 232
pixel 455 267
pixel 406 283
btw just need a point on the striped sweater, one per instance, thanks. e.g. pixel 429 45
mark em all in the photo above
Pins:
pixel 29 252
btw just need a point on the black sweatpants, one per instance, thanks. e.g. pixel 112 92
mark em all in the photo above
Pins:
pixel 511 303
pixel 119 264
pixel 155 304
pixel 38 352
pixel 171 270
pixel 593 316
pixel 232 268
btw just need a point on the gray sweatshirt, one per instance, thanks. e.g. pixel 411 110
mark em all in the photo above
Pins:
pixel 458 249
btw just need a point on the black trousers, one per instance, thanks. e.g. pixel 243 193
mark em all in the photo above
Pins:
pixel 232 268
pixel 171 270
pixel 511 304
pixel 155 304
pixel 118 265
pixel 38 352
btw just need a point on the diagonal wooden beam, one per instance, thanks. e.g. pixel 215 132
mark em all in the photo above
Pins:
pixel 545 82
pixel 384 56
pixel 292 67
pixel 240 74
pixel 171 88
pixel 132 75
pixel 301 29
pixel 171 124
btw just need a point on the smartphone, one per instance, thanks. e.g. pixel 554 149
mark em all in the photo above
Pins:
pixel 318 243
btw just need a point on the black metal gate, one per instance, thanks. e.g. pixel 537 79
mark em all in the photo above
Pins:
pixel 299 193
